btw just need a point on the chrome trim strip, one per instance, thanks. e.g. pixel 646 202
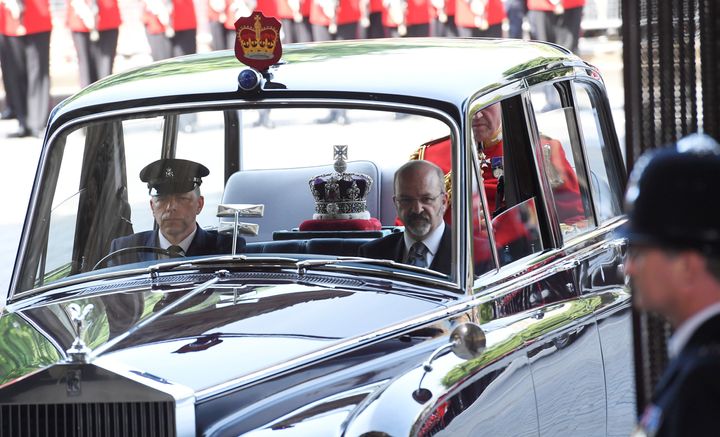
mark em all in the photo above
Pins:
pixel 216 105
pixel 184 396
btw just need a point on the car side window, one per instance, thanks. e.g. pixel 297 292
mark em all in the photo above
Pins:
pixel 560 159
pixel 504 168
pixel 605 178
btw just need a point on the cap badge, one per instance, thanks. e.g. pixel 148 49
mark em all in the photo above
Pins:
pixel 169 173
pixel 257 42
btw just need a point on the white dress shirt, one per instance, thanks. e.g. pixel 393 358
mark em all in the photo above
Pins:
pixel 185 244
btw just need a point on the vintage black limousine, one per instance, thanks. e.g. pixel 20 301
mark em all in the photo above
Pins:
pixel 291 332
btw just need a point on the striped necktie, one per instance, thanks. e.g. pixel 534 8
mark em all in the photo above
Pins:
pixel 175 251
pixel 417 255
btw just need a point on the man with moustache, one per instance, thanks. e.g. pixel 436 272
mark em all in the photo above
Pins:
pixel 175 201
pixel 421 200
pixel 674 263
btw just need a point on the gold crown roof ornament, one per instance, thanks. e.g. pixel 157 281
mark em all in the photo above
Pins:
pixel 257 41
pixel 340 195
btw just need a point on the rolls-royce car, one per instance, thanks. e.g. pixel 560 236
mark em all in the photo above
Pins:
pixel 273 318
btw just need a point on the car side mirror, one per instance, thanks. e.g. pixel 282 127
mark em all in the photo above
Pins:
pixel 467 341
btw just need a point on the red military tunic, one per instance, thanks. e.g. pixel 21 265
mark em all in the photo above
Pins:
pixel 35 19
pixel 285 12
pixel 182 17
pixel 418 12
pixel 108 16
pixel 268 8
pixel 508 227
pixel 348 11
pixel 545 5
pixel 464 16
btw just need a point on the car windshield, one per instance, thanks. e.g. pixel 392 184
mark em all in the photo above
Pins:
pixel 94 212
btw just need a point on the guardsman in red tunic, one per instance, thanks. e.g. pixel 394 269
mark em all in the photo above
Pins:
pixel 7 112
pixel 408 18
pixel 216 12
pixel 445 13
pixel 335 20
pixel 479 18
pixel 371 18
pixel 557 21
pixel 295 18
pixel 94 25
pixel 171 27
pixel 487 130
pixel 26 38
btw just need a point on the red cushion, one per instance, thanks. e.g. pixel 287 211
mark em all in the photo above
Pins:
pixel 371 224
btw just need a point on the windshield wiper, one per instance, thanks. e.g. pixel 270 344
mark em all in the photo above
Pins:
pixel 399 271
pixel 220 259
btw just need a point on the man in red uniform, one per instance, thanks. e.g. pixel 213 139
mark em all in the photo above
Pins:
pixel 371 18
pixel 487 130
pixel 295 18
pixel 94 25
pixel 26 40
pixel 216 12
pixel 335 20
pixel 171 28
pixel 408 18
pixel 479 18
pixel 557 21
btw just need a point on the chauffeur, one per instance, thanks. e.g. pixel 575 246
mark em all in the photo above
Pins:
pixel 674 263
pixel 421 200
pixel 175 202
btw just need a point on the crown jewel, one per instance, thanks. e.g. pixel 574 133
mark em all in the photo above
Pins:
pixel 340 195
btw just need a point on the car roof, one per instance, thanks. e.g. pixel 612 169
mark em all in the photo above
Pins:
pixel 448 70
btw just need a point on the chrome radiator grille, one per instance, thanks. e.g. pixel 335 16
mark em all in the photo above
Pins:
pixel 149 419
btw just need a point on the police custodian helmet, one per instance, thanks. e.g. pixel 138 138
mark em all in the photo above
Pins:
pixel 673 197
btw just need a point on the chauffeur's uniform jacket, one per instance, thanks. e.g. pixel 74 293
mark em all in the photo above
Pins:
pixel 687 397
pixel 204 243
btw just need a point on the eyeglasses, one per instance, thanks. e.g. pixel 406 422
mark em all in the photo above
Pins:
pixel 405 202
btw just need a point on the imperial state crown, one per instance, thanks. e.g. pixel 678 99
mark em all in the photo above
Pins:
pixel 340 195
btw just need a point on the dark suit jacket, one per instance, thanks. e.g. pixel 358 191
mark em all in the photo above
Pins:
pixel 687 397
pixel 392 247
pixel 204 243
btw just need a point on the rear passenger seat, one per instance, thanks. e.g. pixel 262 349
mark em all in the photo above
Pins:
pixel 287 198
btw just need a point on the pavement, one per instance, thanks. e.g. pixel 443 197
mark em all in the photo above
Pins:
pixel 19 157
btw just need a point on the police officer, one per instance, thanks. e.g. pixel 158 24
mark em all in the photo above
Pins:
pixel 26 62
pixel 94 25
pixel 674 263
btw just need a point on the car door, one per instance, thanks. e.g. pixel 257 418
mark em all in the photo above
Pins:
pixel 566 357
